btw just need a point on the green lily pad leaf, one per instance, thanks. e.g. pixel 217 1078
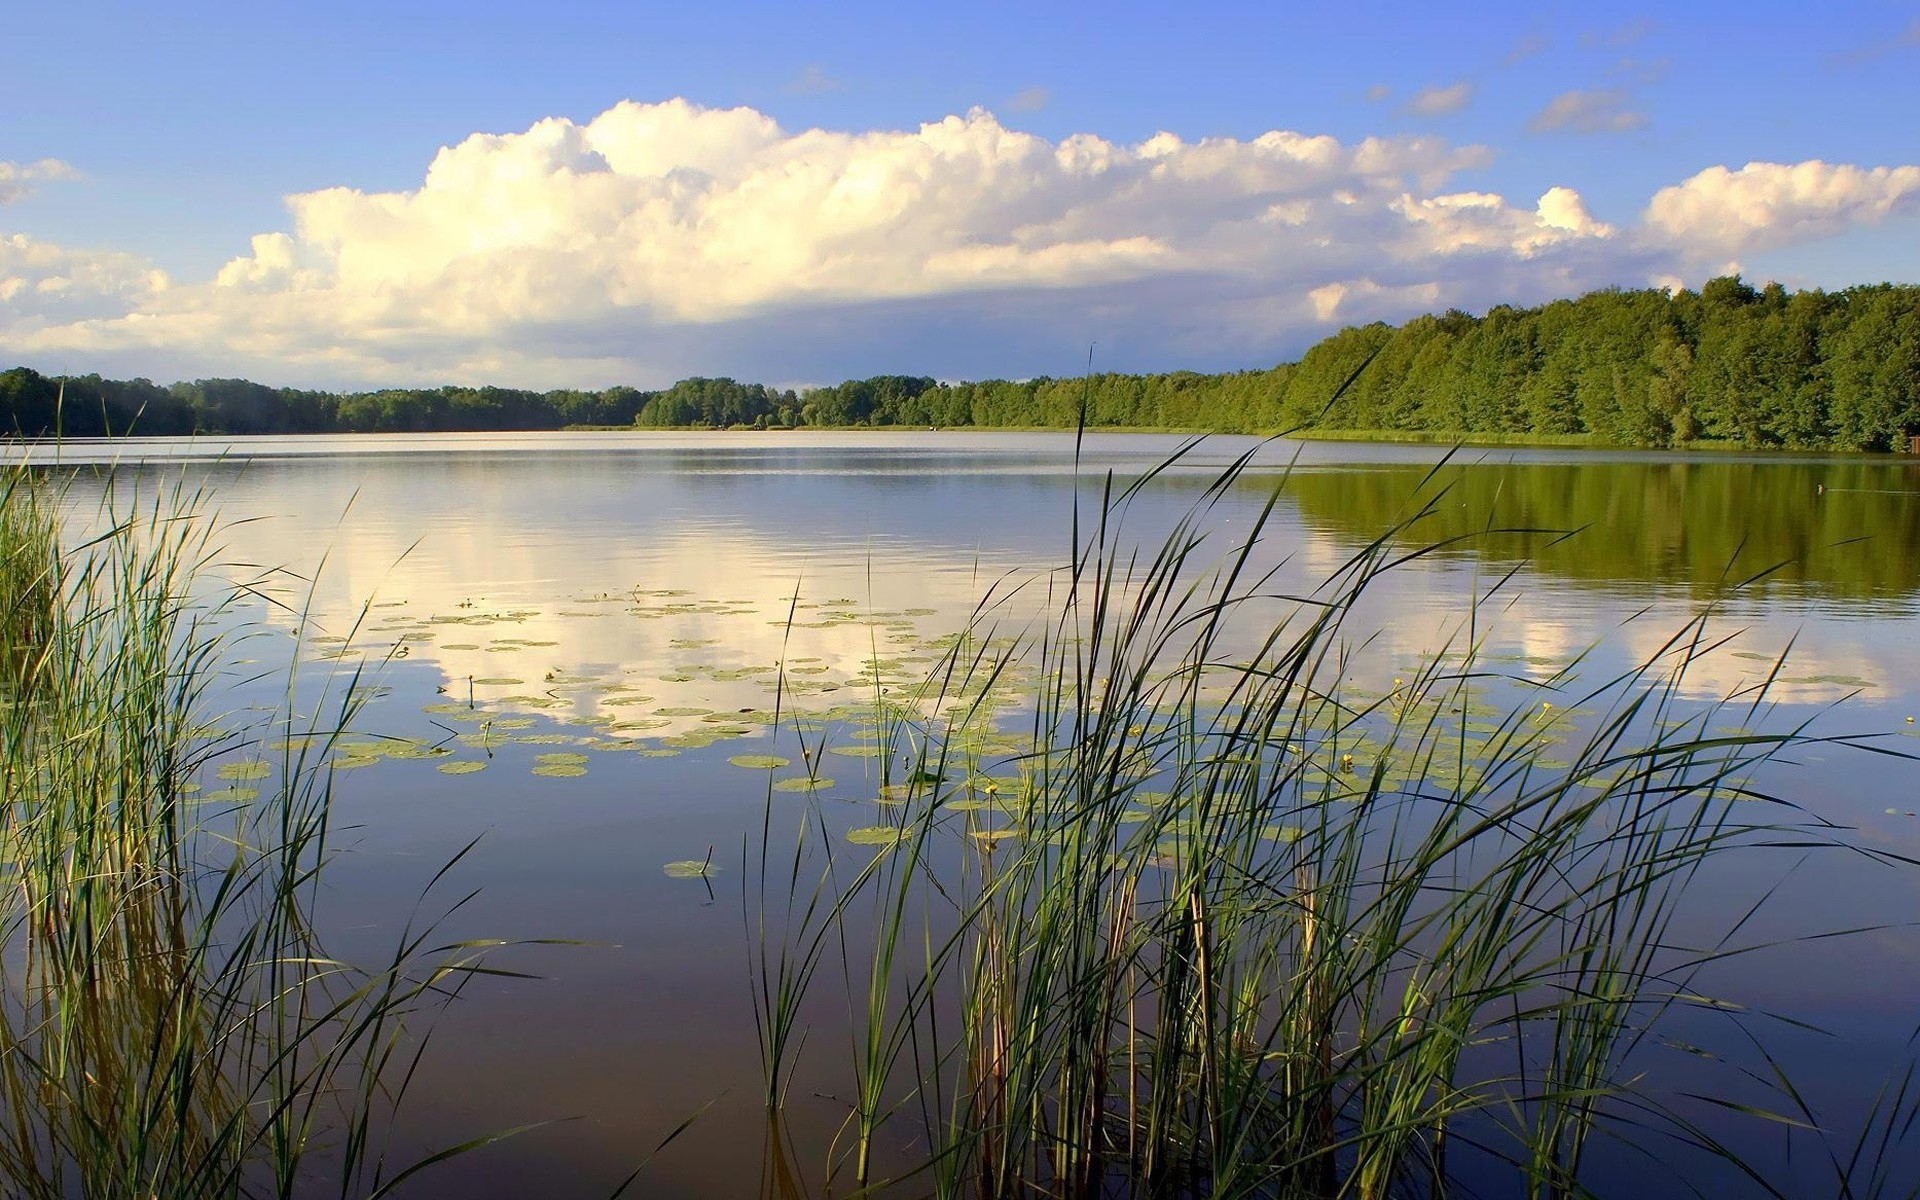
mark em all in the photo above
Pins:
pixel 857 751
pixel 691 741
pixel 561 756
pixel 760 762
pixel 228 795
pixel 465 766
pixel 560 770
pixel 874 835
pixel 250 770
pixel 1286 835
pixel 992 835
pixel 351 762
pixel 802 784
pixel 689 868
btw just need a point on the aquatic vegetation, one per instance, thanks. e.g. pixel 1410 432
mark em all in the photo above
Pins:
pixel 1219 923
pixel 802 783
pixel 760 762
pixel 170 1025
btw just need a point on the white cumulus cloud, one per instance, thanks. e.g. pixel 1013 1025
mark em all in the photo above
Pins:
pixel 660 240
pixel 43 285
pixel 1765 205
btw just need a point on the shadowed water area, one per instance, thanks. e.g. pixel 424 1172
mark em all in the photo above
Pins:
pixel 578 644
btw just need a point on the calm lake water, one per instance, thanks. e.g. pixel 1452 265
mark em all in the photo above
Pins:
pixel 619 604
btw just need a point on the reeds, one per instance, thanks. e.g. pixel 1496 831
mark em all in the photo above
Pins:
pixel 170 1025
pixel 1222 924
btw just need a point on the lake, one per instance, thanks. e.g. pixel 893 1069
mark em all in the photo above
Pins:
pixel 597 623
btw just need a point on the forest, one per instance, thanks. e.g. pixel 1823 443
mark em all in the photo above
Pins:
pixel 1730 364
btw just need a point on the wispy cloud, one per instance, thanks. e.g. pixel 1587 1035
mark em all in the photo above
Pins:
pixel 1601 110
pixel 660 240
pixel 1906 39
pixel 1437 101
pixel 813 80
pixel 1627 34
pixel 1028 100
pixel 1642 70
pixel 1530 46
pixel 20 179
pixel 1378 93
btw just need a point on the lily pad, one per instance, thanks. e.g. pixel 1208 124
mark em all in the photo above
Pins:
pixel 250 770
pixel 803 784
pixel 560 770
pixel 464 766
pixel 760 762
pixel 874 835
pixel 689 868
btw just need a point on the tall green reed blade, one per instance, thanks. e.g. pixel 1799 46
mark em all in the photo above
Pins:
pixel 170 1025
pixel 1256 935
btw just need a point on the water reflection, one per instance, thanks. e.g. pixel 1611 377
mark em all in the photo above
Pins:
pixel 562 596
pixel 737 526
pixel 1806 533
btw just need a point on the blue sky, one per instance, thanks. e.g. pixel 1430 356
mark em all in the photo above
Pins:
pixel 144 151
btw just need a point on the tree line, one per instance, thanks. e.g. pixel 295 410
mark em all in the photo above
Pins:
pixel 1729 363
